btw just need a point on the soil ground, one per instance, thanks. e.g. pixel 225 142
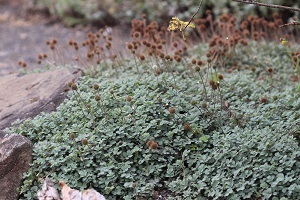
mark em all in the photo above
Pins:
pixel 23 36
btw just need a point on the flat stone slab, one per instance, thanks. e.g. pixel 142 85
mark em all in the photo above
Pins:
pixel 27 96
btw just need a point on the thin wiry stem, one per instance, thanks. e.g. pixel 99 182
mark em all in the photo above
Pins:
pixel 193 15
pixel 294 23
pixel 267 5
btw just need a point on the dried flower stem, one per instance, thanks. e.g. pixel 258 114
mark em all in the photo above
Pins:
pixel 267 5
pixel 193 16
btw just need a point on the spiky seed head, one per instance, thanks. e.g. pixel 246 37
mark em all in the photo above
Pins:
pixel 159 99
pixel 197 68
pixel 204 105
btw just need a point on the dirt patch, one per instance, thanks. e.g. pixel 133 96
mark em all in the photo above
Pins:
pixel 23 35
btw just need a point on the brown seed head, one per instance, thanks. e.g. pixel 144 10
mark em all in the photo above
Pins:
pixel 128 98
pixel 172 110
pixel 270 69
pixel 211 82
pixel 130 46
pixel 263 100
pixel 193 102
pixel 175 44
pixel 70 83
pixel 70 42
pixel 149 142
pixel 54 41
pixel 142 57
pixel 178 59
pixel 186 127
pixel 72 136
pixel 199 62
pixel 167 57
pixel 97 98
pixel 153 145
pixel 220 76
pixel 84 141
pixel 74 86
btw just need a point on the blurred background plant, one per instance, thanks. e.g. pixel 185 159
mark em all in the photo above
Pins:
pixel 112 12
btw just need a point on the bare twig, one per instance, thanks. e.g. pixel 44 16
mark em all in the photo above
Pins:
pixel 193 15
pixel 294 23
pixel 267 5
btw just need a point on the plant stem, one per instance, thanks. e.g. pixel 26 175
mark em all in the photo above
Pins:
pixel 267 5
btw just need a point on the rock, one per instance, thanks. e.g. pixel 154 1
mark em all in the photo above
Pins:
pixel 48 191
pixel 15 159
pixel 71 194
pixel 27 96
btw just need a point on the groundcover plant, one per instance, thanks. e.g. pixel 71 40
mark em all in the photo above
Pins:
pixel 215 120
pixel 137 134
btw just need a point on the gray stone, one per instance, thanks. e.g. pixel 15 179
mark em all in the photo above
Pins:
pixel 15 159
pixel 27 96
